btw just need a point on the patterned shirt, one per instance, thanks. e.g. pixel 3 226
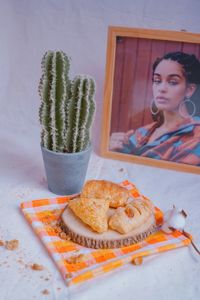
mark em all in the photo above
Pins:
pixel 182 144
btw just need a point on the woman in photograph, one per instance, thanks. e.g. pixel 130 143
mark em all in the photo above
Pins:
pixel 175 133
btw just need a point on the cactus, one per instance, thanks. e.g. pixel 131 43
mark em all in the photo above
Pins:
pixel 67 106
pixel 80 110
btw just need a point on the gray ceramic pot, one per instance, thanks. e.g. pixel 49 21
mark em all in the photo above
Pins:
pixel 65 171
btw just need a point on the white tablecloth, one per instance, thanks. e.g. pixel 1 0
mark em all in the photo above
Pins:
pixel 171 275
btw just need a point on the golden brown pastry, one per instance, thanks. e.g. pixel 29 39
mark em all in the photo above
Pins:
pixel 117 195
pixel 130 217
pixel 91 211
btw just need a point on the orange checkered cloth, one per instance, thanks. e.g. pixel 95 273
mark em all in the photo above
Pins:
pixel 43 213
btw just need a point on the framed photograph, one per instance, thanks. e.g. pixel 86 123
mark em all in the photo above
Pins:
pixel 151 111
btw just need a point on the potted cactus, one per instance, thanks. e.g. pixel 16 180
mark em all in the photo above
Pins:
pixel 66 114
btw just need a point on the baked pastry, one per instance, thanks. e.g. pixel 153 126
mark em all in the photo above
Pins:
pixel 86 219
pixel 91 211
pixel 103 189
pixel 132 216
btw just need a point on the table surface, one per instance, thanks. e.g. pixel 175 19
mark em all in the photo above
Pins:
pixel 171 275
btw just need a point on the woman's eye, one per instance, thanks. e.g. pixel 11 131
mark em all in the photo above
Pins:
pixel 156 81
pixel 172 82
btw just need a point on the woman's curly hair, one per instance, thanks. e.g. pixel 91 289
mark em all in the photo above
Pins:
pixel 189 63
pixel 191 70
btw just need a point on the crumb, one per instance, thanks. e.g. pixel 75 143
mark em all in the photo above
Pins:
pixel 57 229
pixel 12 245
pixel 20 261
pixel 75 259
pixel 58 288
pixel 54 223
pixel 56 212
pixel 45 292
pixel 121 170
pixel 46 279
pixel 47 222
pixel 68 275
pixel 1 243
pixel 64 236
pixel 137 261
pixel 37 267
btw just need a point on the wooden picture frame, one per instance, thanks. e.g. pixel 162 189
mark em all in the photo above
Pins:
pixel 125 48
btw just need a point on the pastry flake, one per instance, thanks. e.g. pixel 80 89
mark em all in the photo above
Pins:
pixel 117 195
pixel 92 212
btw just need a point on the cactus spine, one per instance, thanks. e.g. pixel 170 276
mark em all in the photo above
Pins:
pixel 67 107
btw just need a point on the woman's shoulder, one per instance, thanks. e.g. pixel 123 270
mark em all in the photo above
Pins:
pixel 196 124
pixel 196 120
pixel 145 129
pixel 190 129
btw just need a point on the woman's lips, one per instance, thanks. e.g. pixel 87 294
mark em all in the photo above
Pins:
pixel 161 99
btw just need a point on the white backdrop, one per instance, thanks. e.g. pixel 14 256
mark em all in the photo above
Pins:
pixel 28 28
pixel 79 27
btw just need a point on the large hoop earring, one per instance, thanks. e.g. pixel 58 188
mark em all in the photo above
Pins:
pixel 180 110
pixel 152 106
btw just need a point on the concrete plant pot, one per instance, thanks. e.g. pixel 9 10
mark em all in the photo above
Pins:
pixel 65 172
